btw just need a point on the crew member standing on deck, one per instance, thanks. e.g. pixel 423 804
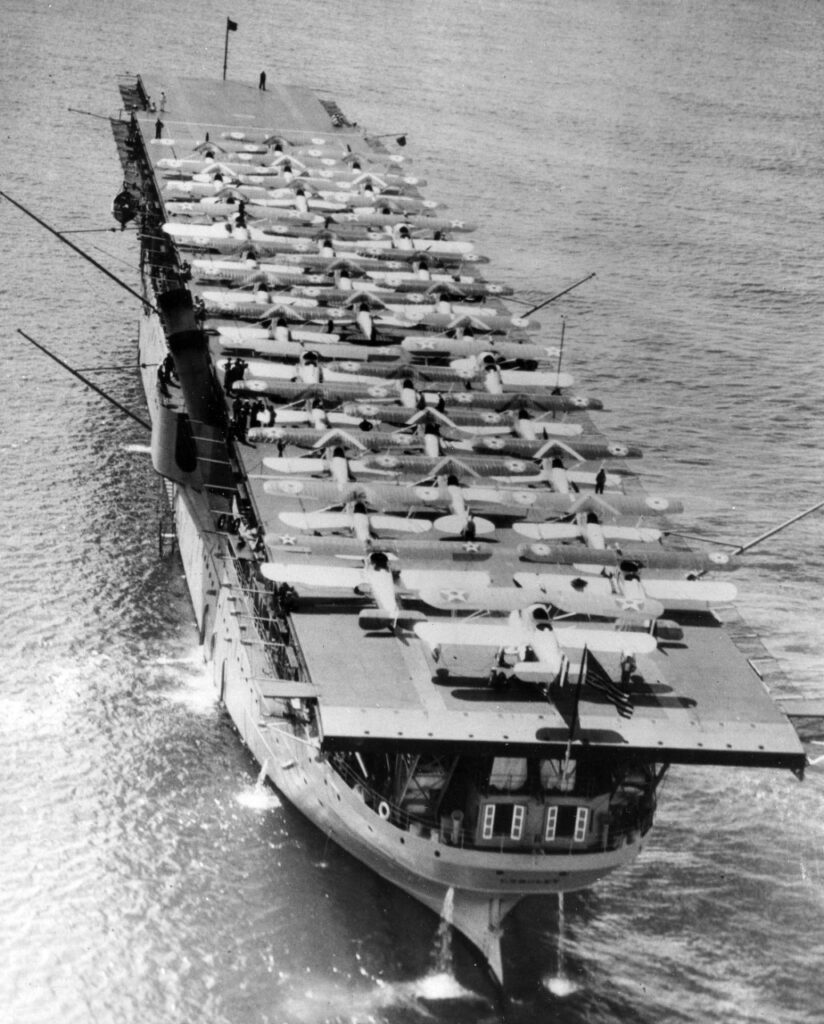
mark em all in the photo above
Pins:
pixel 158 129
pixel 262 82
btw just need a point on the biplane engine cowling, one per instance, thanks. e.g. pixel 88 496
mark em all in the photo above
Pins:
pixel 537 615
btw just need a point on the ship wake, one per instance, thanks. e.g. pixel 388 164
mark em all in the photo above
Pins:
pixel 330 1000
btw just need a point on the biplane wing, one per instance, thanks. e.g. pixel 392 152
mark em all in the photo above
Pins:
pixel 639 534
pixel 463 595
pixel 516 635
pixel 300 466
pixel 581 597
pixel 570 531
pixel 242 335
pixel 401 524
pixel 309 465
pixel 487 323
pixel 569 504
pixel 480 421
pixel 325 346
pixel 420 580
pixel 542 378
pixel 386 497
pixel 649 558
pixel 322 490
pixel 507 599
pixel 374 576
pixel 440 345
pixel 648 598
pixel 560 479
pixel 427 466
pixel 382 497
pixel 472 634
pixel 626 504
pixel 329 576
pixel 606 641
pixel 308 522
pixel 292 417
pixel 690 594
pixel 541 448
pixel 548 531
pixel 361 440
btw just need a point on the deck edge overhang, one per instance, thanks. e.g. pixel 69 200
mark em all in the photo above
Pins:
pixel 791 760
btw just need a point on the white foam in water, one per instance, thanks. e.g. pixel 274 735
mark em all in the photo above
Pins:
pixel 434 987
pixel 443 941
pixel 559 985
pixel 190 679
pixel 328 1000
pixel 260 797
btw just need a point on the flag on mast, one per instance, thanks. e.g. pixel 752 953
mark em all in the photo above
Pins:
pixel 231 26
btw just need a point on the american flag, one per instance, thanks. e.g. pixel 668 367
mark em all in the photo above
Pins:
pixel 596 676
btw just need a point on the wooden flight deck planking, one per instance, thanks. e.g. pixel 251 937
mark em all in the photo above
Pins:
pixel 195 106
pixel 699 703
pixel 704 705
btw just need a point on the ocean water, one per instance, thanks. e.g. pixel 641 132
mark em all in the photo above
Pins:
pixel 676 150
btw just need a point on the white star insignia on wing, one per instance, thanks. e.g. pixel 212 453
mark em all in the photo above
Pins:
pixel 455 596
pixel 287 540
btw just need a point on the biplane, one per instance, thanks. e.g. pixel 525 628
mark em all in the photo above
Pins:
pixel 527 645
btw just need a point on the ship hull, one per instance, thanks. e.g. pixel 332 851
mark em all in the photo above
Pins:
pixel 473 889
pixel 470 763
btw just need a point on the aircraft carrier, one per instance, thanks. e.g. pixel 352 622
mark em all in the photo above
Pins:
pixel 437 604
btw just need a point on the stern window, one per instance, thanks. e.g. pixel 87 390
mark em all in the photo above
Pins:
pixel 503 820
pixel 551 823
pixel 488 821
pixel 581 823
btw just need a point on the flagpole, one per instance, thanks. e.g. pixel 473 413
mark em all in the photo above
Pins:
pixel 231 26
pixel 573 725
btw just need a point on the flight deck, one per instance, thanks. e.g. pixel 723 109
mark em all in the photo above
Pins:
pixel 697 700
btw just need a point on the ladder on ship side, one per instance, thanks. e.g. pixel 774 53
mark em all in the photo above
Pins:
pixel 166 531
